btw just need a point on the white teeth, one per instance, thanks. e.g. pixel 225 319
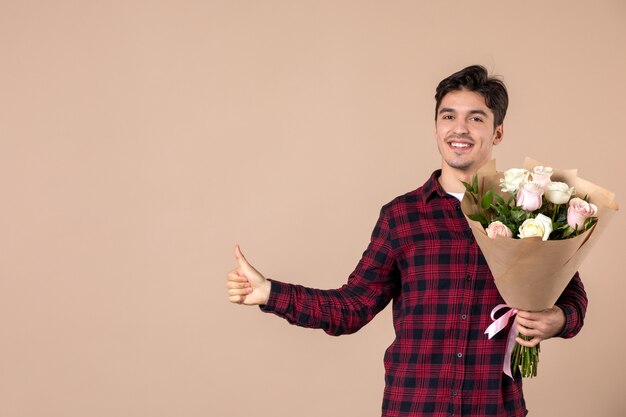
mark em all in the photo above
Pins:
pixel 460 145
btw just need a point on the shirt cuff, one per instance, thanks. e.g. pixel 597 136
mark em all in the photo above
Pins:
pixel 278 302
pixel 570 321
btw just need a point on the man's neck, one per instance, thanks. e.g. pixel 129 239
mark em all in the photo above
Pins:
pixel 451 179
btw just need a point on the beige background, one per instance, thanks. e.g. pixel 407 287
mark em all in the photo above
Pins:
pixel 139 140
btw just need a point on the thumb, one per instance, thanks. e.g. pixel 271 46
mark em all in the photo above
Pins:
pixel 243 262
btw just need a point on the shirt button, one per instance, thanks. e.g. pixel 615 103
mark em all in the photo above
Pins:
pixel 469 277
pixel 459 355
pixel 454 393
pixel 463 316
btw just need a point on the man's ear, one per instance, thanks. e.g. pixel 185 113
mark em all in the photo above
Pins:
pixel 499 132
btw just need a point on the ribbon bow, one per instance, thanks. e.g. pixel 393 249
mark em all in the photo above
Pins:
pixel 499 324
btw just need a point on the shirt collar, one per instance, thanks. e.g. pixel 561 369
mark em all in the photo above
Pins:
pixel 432 188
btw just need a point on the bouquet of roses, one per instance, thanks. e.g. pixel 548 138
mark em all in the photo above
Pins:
pixel 534 226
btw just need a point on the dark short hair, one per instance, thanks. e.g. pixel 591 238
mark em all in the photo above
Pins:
pixel 476 78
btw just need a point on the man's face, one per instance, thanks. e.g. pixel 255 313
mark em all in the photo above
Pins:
pixel 464 131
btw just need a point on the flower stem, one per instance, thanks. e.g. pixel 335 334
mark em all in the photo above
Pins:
pixel 525 359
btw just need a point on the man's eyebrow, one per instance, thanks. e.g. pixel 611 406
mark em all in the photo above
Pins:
pixel 451 110
pixel 478 111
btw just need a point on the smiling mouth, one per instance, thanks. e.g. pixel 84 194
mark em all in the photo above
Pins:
pixel 460 146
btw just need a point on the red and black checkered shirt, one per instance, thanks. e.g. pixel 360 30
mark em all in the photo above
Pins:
pixel 423 256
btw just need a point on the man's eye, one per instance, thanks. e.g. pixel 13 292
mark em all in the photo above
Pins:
pixel 476 119
pixel 447 117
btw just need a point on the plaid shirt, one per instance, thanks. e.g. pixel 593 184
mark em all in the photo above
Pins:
pixel 423 256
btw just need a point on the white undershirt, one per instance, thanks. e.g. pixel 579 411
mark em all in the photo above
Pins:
pixel 458 196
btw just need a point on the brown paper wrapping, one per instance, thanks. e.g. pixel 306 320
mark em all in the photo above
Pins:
pixel 531 274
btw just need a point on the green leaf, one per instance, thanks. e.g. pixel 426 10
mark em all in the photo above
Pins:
pixel 475 183
pixel 498 210
pixel 503 211
pixel 589 222
pixel 517 213
pixel 479 218
pixel 560 226
pixel 499 200
pixel 511 200
pixel 514 227
pixel 501 206
pixel 487 199
pixel 568 232
pixel 470 191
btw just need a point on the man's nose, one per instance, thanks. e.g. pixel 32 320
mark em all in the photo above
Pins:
pixel 460 126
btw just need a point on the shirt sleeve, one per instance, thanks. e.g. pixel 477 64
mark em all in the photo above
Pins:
pixel 369 289
pixel 573 302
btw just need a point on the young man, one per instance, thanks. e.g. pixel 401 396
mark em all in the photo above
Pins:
pixel 423 256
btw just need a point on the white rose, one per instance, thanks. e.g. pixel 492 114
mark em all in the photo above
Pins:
pixel 541 175
pixel 513 178
pixel 539 226
pixel 558 192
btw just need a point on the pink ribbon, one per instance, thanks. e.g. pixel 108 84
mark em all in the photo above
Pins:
pixel 500 324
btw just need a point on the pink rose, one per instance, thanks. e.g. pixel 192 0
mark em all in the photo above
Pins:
pixel 498 229
pixel 579 211
pixel 529 196
pixel 541 175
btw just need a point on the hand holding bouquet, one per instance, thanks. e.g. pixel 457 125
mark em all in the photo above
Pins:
pixel 534 226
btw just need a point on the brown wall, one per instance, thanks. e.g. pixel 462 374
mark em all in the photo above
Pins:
pixel 139 140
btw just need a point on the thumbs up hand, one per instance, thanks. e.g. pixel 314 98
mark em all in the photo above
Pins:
pixel 245 284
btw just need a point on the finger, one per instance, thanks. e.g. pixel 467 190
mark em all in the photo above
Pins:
pixel 530 332
pixel 526 331
pixel 527 315
pixel 237 285
pixel 521 325
pixel 524 323
pixel 239 291
pixel 237 276
pixel 535 315
pixel 237 299
pixel 532 328
pixel 243 262
pixel 528 343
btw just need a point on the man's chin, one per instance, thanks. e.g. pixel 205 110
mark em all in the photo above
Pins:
pixel 462 165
